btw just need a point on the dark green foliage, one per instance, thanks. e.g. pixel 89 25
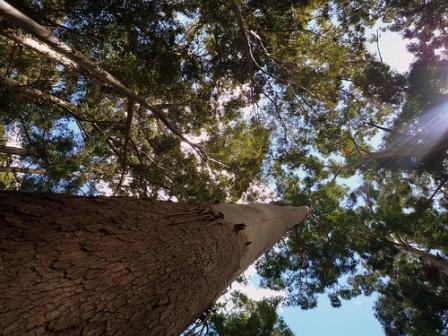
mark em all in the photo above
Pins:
pixel 413 302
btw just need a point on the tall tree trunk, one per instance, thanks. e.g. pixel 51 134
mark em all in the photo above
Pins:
pixel 121 266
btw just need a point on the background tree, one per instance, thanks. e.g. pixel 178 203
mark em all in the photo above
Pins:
pixel 242 316
pixel 396 206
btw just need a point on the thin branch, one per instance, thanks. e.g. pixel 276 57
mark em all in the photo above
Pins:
pixel 244 34
pixel 440 186
pixel 11 54
pixel 22 170
pixel 280 117
pixel 33 94
pixel 358 148
pixel 389 130
pixel 378 46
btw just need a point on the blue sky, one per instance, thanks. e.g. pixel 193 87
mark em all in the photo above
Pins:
pixel 354 317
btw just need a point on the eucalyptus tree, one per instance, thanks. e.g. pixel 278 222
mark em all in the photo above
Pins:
pixel 167 98
pixel 84 265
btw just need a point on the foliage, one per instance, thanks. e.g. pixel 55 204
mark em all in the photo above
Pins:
pixel 248 318
pixel 284 91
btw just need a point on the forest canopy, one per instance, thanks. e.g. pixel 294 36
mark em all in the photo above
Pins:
pixel 206 101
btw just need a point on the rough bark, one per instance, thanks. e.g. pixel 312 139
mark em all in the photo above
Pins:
pixel 116 266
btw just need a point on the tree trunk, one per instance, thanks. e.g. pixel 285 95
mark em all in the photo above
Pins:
pixel 120 266
pixel 434 261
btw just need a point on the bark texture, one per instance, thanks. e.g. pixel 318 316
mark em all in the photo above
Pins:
pixel 109 266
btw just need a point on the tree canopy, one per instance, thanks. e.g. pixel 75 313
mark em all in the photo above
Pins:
pixel 201 101
pixel 246 317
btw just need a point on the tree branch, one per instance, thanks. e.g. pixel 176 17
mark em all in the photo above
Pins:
pixel 33 94
pixel 45 35
pixel 245 35
pixel 22 170
pixel 378 46
pixel 12 150
pixel 390 130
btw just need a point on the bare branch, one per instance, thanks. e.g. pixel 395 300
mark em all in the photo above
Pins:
pixel 440 186
pixel 390 130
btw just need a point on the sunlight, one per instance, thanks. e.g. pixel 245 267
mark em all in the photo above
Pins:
pixel 424 135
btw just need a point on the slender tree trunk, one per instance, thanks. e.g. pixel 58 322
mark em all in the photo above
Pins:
pixel 121 266
pixel 435 261
pixel 430 259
